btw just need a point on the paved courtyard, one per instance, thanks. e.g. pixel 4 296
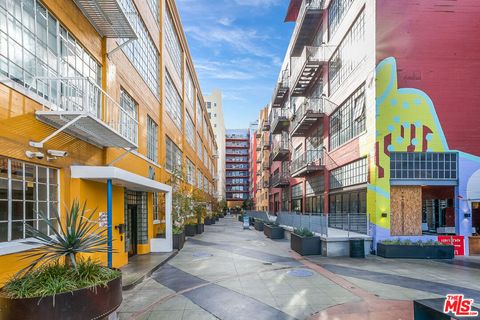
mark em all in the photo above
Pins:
pixel 231 273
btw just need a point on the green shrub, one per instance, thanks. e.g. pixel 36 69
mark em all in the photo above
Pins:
pixel 177 230
pixel 57 278
pixel 408 242
pixel 303 232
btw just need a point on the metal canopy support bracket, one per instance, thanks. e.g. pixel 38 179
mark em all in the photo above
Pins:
pixel 41 143
pixel 119 47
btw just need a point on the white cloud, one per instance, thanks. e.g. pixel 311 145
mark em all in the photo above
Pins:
pixel 258 3
pixel 225 21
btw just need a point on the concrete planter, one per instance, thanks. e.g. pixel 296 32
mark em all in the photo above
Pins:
pixel 190 230
pixel 258 224
pixel 87 303
pixel 305 246
pixel 415 251
pixel 207 221
pixel 200 228
pixel 273 232
pixel 178 240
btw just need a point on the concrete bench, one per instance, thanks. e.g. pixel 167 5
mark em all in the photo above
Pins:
pixel 428 309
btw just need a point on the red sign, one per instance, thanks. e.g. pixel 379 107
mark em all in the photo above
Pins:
pixel 457 241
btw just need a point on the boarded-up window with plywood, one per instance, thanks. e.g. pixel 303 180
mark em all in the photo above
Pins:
pixel 406 210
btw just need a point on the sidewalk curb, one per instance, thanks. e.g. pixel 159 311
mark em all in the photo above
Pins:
pixel 132 285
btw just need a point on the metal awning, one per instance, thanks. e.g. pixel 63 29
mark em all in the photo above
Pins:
pixel 119 177
pixel 108 18
pixel 87 127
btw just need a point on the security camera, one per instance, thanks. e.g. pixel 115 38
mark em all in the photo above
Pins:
pixel 31 155
pixel 57 153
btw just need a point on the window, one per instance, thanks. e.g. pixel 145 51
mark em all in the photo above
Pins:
pixel 34 44
pixel 156 207
pixel 142 52
pixel 348 121
pixel 173 102
pixel 199 147
pixel 199 179
pixel 336 13
pixel 209 105
pixel 205 128
pixel 190 131
pixel 154 8
pixel 349 174
pixel 152 140
pixel 297 194
pixel 173 154
pixel 127 127
pixel 424 165
pixel 285 199
pixel 189 88
pixel 190 172
pixel 199 116
pixel 349 54
pixel 173 44
pixel 26 188
pixel 348 202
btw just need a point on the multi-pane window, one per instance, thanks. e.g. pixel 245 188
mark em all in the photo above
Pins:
pixel 423 165
pixel 127 127
pixel 205 157
pixel 173 154
pixel 349 174
pixel 34 44
pixel 336 13
pixel 189 88
pixel 348 202
pixel 26 189
pixel 205 129
pixel 190 130
pixel 199 147
pixel 297 195
pixel 314 144
pixel 285 199
pixel 190 172
pixel 199 179
pixel 173 102
pixel 173 43
pixel 156 207
pixel 152 140
pixel 142 52
pixel 348 121
pixel 155 9
pixel 349 54
pixel 199 116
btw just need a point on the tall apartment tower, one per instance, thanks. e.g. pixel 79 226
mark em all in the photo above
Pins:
pixel 237 146
pixel 253 161
pixel 215 114
pixel 87 115
pixel 262 161
pixel 376 111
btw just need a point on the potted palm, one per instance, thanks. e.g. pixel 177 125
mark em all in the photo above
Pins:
pixel 58 283
pixel 304 242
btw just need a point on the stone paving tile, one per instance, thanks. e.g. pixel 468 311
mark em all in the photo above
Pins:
pixel 165 314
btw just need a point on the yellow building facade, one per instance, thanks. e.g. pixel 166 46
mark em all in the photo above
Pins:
pixel 85 103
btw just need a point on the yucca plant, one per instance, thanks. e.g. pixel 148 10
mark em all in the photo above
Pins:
pixel 80 234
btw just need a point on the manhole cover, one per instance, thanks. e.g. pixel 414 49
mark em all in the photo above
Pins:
pixel 300 273
pixel 202 255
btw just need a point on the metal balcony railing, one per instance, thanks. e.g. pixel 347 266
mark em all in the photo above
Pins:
pixel 91 113
pixel 266 125
pixel 308 19
pixel 281 89
pixel 280 179
pixel 310 160
pixel 305 68
pixel 280 120
pixel 281 148
pixel 307 114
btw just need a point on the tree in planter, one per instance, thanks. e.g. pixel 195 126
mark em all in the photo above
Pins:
pixel 57 279
pixel 247 204
pixel 181 200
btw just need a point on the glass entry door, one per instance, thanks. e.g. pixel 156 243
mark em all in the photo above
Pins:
pixel 132 238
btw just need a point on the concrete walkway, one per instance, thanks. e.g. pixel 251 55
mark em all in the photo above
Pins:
pixel 231 273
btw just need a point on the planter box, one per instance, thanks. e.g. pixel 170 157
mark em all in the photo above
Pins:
pixel 414 251
pixel 240 218
pixel 88 303
pixel 258 225
pixel 190 230
pixel 178 240
pixel 200 228
pixel 207 221
pixel 305 245
pixel 217 218
pixel 273 232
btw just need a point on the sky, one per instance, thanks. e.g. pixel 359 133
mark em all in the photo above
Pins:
pixel 238 47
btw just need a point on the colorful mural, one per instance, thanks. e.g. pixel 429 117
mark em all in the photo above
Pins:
pixel 406 121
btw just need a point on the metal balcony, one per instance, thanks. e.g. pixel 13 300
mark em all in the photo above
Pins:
pixel 305 69
pixel 259 134
pixel 309 112
pixel 259 147
pixel 266 166
pixel 111 18
pixel 265 184
pixel 281 150
pixel 280 180
pixel 266 145
pixel 265 125
pixel 308 162
pixel 259 160
pixel 281 90
pixel 308 19
pixel 280 121
pixel 81 108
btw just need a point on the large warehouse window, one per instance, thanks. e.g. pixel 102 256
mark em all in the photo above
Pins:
pixel 173 102
pixel 423 165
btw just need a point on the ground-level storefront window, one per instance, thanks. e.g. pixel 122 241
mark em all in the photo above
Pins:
pixel 25 189
pixel 348 202
pixel 297 195
pixel 314 204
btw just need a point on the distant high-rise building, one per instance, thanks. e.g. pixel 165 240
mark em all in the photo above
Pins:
pixel 237 144
pixel 215 113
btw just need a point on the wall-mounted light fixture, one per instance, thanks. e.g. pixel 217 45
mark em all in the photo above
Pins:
pixel 384 214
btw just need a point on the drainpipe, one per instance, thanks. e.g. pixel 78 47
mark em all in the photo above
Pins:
pixel 109 222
